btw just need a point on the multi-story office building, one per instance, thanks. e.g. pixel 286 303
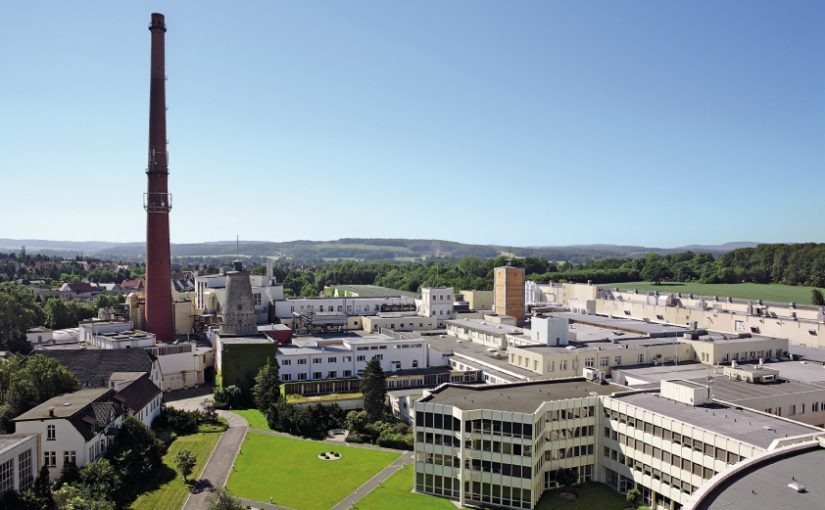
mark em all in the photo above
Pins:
pixel 505 445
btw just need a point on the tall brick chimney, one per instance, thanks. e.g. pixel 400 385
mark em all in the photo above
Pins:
pixel 158 201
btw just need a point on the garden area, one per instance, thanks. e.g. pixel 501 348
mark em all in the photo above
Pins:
pixel 170 491
pixel 588 496
pixel 396 493
pixel 287 471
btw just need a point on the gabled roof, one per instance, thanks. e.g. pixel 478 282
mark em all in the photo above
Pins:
pixel 134 284
pixel 94 367
pixel 89 410
pixel 138 394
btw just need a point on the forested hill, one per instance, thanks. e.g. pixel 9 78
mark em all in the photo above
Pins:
pixel 353 248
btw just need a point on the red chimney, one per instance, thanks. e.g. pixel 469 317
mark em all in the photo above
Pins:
pixel 158 201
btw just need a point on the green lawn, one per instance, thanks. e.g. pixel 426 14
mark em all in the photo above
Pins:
pixel 768 292
pixel 303 399
pixel 288 470
pixel 169 492
pixel 396 493
pixel 256 419
pixel 590 496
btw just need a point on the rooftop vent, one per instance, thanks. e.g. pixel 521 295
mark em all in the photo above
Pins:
pixel 798 487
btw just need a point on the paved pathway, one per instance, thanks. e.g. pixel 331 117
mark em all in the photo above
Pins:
pixel 221 460
pixel 375 481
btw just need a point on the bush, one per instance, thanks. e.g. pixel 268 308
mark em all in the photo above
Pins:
pixel 185 422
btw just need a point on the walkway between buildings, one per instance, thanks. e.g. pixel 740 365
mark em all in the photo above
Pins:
pixel 220 463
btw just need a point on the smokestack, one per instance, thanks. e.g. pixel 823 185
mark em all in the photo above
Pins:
pixel 158 201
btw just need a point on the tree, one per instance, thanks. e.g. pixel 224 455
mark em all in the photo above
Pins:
pixel 374 388
pixel 26 382
pixel 185 461
pixel 100 478
pixel 137 451
pixel 224 501
pixel 633 496
pixel 566 477
pixel 58 315
pixel 817 298
pixel 267 388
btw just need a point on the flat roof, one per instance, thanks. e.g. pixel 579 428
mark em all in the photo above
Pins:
pixel 9 441
pixel 744 425
pixel 492 328
pixel 632 325
pixel 479 352
pixel 63 406
pixel 518 397
pixel 250 339
pixel 764 485
pixel 802 372
pixel 811 353
pixel 731 338
pixel 374 291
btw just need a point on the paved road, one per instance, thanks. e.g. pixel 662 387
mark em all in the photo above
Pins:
pixel 375 481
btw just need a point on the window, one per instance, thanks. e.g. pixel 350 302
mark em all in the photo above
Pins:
pixel 50 459
pixel 640 358
pixel 332 374
pixel 316 360
pixel 589 362
pixel 24 470
pixel 415 363
pixel 302 377
pixel 360 358
pixel 7 476
pixel 347 373
pixel 379 356
pixel 50 433
pixel 286 377
pixel 563 365
pixel 617 360
pixel 286 362
pixel 302 361
pixel 316 375
pixel 604 361
pixel 69 457
pixel 332 360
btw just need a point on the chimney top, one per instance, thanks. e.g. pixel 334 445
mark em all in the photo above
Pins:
pixel 157 22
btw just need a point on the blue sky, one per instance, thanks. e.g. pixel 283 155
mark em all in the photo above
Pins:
pixel 524 123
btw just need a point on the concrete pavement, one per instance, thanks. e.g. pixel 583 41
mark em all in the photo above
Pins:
pixel 375 481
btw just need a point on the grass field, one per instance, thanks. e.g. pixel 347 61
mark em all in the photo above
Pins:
pixel 288 471
pixel 589 496
pixel 256 419
pixel 169 491
pixel 396 493
pixel 769 292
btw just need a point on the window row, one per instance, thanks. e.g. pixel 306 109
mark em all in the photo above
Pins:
pixel 503 447
pixel 656 474
pixel 499 468
pixel 570 433
pixel 497 427
pixel 437 421
pixel 439 439
pixel 502 495
pixel 669 435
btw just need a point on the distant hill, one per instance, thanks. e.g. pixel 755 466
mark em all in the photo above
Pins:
pixel 353 248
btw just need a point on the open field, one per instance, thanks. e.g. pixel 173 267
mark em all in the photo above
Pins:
pixel 769 292
pixel 169 491
pixel 256 419
pixel 288 471
pixel 396 493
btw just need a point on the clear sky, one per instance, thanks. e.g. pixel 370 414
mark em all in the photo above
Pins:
pixel 524 123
